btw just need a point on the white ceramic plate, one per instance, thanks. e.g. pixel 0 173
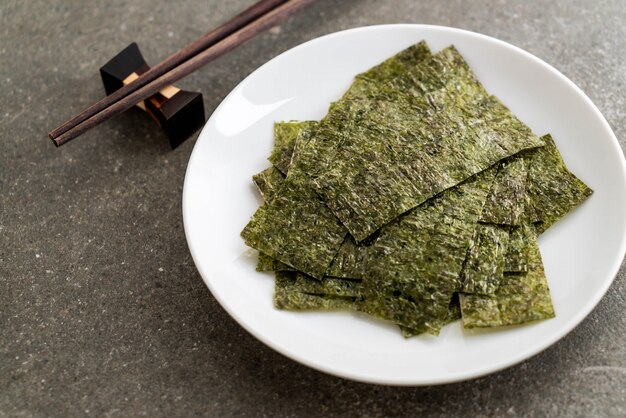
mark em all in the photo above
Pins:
pixel 582 253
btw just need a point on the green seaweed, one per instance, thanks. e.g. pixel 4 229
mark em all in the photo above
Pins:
pixel 328 286
pixel 349 263
pixel 484 265
pixel 454 314
pixel 285 134
pixel 401 150
pixel 268 182
pixel 520 298
pixel 553 190
pixel 516 258
pixel 267 263
pixel 506 202
pixel 418 258
pixel 286 298
pixel 389 69
pixel 296 227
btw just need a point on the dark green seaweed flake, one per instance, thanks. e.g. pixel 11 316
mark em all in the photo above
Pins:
pixel 268 182
pixel 454 314
pixel 296 227
pixel 402 150
pixel 516 257
pixel 285 134
pixel 417 259
pixel 329 286
pixel 267 263
pixel 287 298
pixel 349 263
pixel 506 202
pixel 553 190
pixel 484 266
pixel 398 153
pixel 520 298
pixel 393 67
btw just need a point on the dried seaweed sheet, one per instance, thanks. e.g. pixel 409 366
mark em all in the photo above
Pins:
pixel 267 263
pixel 413 267
pixel 296 227
pixel 454 314
pixel 516 258
pixel 287 298
pixel 520 298
pixel 329 286
pixel 553 190
pixel 484 265
pixel 506 202
pixel 349 263
pixel 285 134
pixel 389 69
pixel 268 182
pixel 398 153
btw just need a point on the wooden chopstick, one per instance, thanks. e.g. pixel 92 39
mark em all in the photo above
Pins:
pixel 214 47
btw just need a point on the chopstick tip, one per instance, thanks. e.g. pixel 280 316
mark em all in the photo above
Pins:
pixel 55 141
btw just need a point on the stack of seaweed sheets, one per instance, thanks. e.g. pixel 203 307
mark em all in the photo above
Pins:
pixel 417 199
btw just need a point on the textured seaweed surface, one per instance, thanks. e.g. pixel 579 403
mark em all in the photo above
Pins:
pixel 328 286
pixel 296 227
pixel 516 258
pixel 454 314
pixel 268 182
pixel 379 210
pixel 484 265
pixel 288 298
pixel 401 150
pixel 267 263
pixel 520 298
pixel 393 67
pixel 553 189
pixel 506 202
pixel 349 263
pixel 417 259
pixel 285 134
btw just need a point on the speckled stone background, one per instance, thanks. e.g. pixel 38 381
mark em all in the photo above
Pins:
pixel 102 312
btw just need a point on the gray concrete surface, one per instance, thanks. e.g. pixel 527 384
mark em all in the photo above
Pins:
pixel 102 312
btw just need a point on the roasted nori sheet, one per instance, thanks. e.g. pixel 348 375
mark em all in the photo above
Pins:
pixel 420 132
pixel 268 182
pixel 413 267
pixel 398 153
pixel 484 265
pixel 520 298
pixel 506 202
pixel 287 297
pixel 285 134
pixel 454 314
pixel 329 286
pixel 553 189
pixel 389 69
pixel 516 257
pixel 267 263
pixel 296 227
pixel 349 263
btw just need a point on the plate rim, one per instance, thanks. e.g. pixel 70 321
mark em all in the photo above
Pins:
pixel 533 350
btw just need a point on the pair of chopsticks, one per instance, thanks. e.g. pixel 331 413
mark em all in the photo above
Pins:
pixel 256 19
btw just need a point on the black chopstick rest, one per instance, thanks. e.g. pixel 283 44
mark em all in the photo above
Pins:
pixel 180 113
